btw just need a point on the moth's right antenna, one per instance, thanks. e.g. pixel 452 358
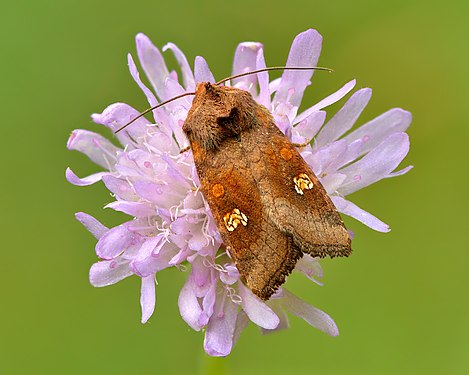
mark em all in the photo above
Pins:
pixel 273 68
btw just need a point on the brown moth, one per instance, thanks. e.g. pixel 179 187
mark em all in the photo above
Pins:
pixel 269 206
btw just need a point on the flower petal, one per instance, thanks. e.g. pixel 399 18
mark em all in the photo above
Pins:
pixel 263 79
pixel 348 208
pixel 344 119
pixel 147 297
pixel 136 209
pixel 162 195
pixel 257 311
pixel 93 225
pixel 120 188
pixel 85 181
pixel 189 306
pixel 119 114
pixel 309 127
pixel 109 272
pixel 310 267
pixel 331 99
pixel 375 131
pixel 187 75
pixel 304 51
pixel 242 320
pixel 280 312
pixel 308 313
pixel 375 165
pixel 153 64
pixel 331 182
pixel 116 240
pixel 160 257
pixel 159 114
pixel 208 301
pixel 401 172
pixel 245 61
pixel 136 76
pixel 220 329
pixel 95 146
pixel 202 72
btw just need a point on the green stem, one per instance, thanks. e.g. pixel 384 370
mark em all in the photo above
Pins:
pixel 213 365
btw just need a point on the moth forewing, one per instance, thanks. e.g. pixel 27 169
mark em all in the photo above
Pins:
pixel 268 205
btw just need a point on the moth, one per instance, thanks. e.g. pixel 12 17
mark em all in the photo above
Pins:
pixel 269 206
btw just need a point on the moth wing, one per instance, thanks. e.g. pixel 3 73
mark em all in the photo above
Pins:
pixel 300 204
pixel 263 253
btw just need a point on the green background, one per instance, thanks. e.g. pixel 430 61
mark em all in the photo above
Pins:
pixel 400 301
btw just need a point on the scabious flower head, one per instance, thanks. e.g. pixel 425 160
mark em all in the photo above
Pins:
pixel 171 224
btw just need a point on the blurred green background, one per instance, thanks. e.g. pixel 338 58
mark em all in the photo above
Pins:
pixel 401 301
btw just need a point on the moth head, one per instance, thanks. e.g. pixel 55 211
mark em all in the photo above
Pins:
pixel 218 113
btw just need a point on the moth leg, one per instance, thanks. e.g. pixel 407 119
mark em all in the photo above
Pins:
pixel 185 149
pixel 301 145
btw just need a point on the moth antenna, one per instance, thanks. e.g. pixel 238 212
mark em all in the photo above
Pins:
pixel 273 68
pixel 153 108
pixel 219 83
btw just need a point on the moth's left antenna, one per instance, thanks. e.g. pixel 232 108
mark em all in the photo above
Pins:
pixel 153 108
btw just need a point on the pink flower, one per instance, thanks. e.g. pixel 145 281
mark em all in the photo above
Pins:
pixel 171 224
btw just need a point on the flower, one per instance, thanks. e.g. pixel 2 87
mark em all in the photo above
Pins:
pixel 171 224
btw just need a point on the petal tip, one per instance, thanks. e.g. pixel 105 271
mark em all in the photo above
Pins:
pixel 71 139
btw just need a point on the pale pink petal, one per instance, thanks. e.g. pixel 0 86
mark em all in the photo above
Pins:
pixel 375 165
pixel 343 120
pixel 219 335
pixel 281 313
pixel 94 226
pixel 136 209
pixel 189 306
pixel 174 88
pixel 147 297
pixel 242 320
pixel 119 114
pixel 150 247
pixel 109 272
pixel 245 61
pixel 309 127
pixel 230 276
pixel 187 75
pixel 159 114
pixel 331 99
pixel 121 188
pixel 136 76
pixel 116 240
pixel 209 300
pixel 310 267
pixel 95 146
pixel 201 274
pixel 85 181
pixel 160 194
pixel 304 52
pixel 401 172
pixel 332 182
pixel 348 208
pixel 257 311
pixel 375 131
pixel 274 85
pixel 159 260
pixel 202 72
pixel 310 314
pixel 323 157
pixel 263 79
pixel 198 240
pixel 350 154
pixel 153 64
